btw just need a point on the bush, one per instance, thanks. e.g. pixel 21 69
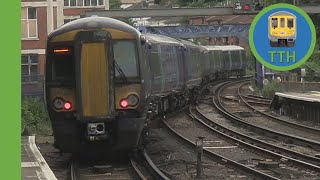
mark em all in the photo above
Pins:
pixel 34 118
pixel 270 89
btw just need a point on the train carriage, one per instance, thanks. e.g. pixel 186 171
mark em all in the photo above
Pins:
pixel 166 65
pixel 282 29
pixel 193 61
pixel 233 60
pixel 104 80
pixel 215 59
pixel 94 90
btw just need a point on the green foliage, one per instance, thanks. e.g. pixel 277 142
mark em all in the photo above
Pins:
pixel 250 63
pixel 198 3
pixel 127 20
pixel 313 67
pixel 114 4
pixel 34 116
pixel 270 89
pixel 201 41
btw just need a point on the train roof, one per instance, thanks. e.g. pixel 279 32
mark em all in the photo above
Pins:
pixel 282 13
pixel 191 44
pixel 94 23
pixel 224 48
pixel 156 38
pixel 187 43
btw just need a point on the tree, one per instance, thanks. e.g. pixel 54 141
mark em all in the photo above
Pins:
pixel 114 4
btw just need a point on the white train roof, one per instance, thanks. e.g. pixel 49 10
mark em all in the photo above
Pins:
pixel 224 48
pixel 161 38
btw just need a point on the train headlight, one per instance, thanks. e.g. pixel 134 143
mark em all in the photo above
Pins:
pixel 133 100
pixel 58 103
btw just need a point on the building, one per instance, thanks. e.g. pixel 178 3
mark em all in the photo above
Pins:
pixel 38 19
pixel 129 3
pixel 227 19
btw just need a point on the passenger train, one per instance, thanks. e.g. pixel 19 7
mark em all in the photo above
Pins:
pixel 105 80
pixel 282 29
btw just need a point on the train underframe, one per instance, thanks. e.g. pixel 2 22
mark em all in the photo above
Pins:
pixel 282 42
pixel 120 134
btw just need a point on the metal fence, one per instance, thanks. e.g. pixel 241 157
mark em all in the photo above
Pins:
pixel 290 86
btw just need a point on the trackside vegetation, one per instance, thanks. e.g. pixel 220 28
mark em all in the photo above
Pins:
pixel 271 88
pixel 34 117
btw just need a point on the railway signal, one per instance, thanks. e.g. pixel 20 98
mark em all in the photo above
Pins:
pixel 248 6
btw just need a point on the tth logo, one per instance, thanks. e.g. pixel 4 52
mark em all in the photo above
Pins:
pixel 282 37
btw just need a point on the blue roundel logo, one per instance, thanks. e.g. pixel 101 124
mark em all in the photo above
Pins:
pixel 282 37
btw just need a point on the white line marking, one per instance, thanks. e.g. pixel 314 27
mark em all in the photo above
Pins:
pixel 29 164
pixel 42 162
pixel 222 147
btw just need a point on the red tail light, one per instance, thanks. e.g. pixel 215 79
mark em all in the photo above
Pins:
pixel 246 7
pixel 67 105
pixel 124 103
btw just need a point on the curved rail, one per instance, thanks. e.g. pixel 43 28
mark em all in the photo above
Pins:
pixel 310 161
pixel 220 158
pixel 291 124
pixel 137 170
pixel 156 171
pixel 258 145
pixel 296 139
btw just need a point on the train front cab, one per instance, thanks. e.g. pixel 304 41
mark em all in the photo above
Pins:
pixel 93 88
pixel 282 29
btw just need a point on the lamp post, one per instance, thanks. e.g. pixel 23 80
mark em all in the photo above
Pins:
pixel 303 74
pixel 199 146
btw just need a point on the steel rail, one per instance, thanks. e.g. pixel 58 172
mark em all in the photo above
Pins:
pixel 313 161
pixel 157 172
pixel 221 159
pixel 291 124
pixel 137 170
pixel 295 139
pixel 261 146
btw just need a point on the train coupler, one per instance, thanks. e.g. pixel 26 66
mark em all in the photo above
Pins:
pixel 96 132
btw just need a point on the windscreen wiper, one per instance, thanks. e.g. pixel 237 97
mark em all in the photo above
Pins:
pixel 123 76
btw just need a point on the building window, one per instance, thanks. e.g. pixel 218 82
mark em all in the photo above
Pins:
pixel 29 28
pixel 29 68
pixel 68 20
pixel 72 3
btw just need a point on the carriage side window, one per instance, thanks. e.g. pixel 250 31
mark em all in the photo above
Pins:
pixel 125 54
pixel 290 23
pixel 282 22
pixel 274 22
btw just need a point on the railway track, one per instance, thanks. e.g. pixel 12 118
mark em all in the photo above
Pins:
pixel 140 167
pixel 252 137
pixel 233 154
pixel 306 129
pixel 312 146
pixel 219 158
